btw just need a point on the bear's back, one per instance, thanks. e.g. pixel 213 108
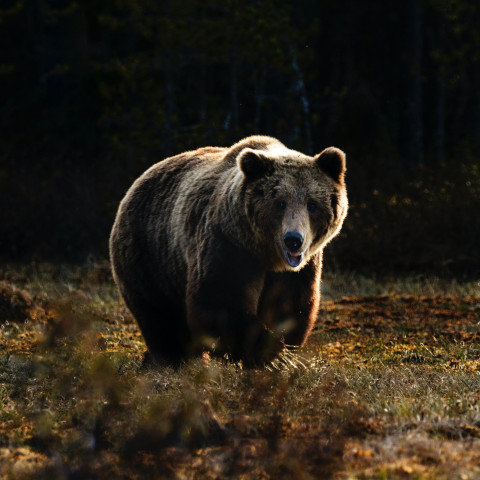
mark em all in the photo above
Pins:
pixel 165 207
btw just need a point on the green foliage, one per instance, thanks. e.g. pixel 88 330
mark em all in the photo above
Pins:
pixel 96 92
pixel 424 221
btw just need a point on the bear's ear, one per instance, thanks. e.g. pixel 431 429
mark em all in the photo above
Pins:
pixel 253 164
pixel 333 162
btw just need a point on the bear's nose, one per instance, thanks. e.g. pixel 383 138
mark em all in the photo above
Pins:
pixel 293 241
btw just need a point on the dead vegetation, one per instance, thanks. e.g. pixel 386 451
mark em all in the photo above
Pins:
pixel 389 387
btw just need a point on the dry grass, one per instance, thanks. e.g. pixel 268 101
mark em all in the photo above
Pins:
pixel 337 285
pixel 388 387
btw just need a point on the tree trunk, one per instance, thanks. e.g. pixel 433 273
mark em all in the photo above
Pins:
pixel 476 108
pixel 202 99
pixel 169 103
pixel 439 91
pixel 259 94
pixel 169 90
pixel 411 125
pixel 38 17
pixel 233 124
pixel 439 120
pixel 302 92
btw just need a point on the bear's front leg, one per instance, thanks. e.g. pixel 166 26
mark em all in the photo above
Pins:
pixel 223 292
pixel 290 301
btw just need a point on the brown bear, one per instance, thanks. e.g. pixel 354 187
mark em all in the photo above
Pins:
pixel 220 249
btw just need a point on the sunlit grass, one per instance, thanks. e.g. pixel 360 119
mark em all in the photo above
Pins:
pixel 351 284
pixel 387 387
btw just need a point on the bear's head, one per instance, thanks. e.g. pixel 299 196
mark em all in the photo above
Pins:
pixel 294 203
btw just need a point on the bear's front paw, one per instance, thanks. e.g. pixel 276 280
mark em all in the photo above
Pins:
pixel 263 349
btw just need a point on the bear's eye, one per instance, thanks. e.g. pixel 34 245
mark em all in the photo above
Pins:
pixel 280 205
pixel 312 207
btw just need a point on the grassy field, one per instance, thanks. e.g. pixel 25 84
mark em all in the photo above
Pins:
pixel 388 387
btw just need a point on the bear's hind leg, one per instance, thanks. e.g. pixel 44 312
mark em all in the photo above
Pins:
pixel 164 330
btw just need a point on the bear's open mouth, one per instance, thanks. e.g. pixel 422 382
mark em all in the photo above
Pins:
pixel 293 259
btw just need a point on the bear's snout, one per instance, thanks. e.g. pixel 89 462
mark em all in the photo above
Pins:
pixel 293 241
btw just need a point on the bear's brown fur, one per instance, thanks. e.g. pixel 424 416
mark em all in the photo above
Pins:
pixel 221 248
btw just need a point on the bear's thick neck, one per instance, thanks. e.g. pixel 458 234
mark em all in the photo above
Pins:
pixel 234 222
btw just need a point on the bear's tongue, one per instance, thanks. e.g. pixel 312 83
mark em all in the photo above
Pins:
pixel 293 259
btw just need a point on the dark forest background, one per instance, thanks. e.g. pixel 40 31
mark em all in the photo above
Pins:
pixel 95 92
